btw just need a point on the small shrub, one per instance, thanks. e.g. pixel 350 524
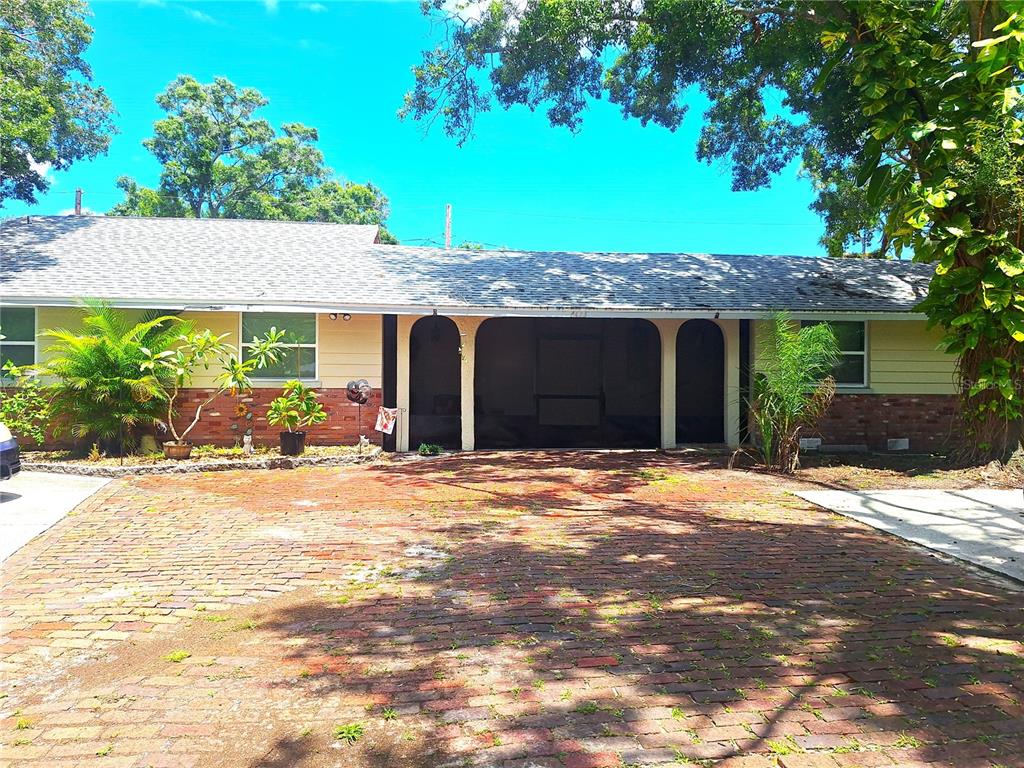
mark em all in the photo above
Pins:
pixel 430 449
pixel 350 732
pixel 297 407
pixel 24 403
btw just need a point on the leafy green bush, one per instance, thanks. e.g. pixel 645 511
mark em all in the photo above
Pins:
pixel 429 449
pixel 24 403
pixel 793 386
pixel 100 390
pixel 296 407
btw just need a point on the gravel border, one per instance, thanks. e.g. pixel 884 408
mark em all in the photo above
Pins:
pixel 189 466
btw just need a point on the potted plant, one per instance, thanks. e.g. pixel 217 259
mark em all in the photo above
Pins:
pixel 207 350
pixel 296 407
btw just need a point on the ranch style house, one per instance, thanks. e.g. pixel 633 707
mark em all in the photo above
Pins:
pixel 492 349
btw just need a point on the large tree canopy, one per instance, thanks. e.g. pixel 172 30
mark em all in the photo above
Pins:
pixel 50 116
pixel 220 160
pixel 907 116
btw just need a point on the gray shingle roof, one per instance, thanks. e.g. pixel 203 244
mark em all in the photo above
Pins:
pixel 230 262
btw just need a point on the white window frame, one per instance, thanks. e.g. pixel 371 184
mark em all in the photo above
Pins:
pixel 863 354
pixel 35 336
pixel 315 346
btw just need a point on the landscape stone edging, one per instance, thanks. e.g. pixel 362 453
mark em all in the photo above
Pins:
pixel 185 467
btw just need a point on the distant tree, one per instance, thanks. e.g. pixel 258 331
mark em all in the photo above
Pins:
pixel 220 160
pixel 50 115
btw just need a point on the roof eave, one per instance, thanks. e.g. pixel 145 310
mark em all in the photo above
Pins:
pixel 465 310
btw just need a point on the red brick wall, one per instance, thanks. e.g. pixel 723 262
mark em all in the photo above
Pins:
pixel 871 419
pixel 227 418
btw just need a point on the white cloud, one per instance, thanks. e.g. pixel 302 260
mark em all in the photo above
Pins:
pixel 313 7
pixel 192 13
pixel 43 169
pixel 270 5
pixel 85 212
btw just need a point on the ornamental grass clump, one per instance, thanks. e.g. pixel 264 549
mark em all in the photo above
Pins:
pixel 793 387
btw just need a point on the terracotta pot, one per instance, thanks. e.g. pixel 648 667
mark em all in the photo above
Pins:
pixel 293 443
pixel 173 450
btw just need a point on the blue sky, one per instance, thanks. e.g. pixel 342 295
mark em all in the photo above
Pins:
pixel 342 67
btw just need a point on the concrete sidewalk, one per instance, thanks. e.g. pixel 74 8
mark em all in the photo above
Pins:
pixel 981 526
pixel 32 502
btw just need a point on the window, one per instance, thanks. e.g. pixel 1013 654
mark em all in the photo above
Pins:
pixel 852 368
pixel 18 325
pixel 298 358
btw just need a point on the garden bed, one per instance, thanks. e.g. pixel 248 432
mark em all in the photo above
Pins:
pixel 204 458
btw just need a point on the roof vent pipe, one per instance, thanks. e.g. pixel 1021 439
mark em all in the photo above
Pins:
pixel 78 202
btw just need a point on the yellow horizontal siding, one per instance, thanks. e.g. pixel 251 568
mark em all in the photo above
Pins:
pixel 349 349
pixel 905 359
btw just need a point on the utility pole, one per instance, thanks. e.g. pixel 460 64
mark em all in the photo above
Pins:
pixel 78 202
pixel 448 226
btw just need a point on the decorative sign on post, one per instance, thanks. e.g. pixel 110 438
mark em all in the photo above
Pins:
pixel 386 418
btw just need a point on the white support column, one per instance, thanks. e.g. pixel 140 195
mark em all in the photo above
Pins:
pixel 467 351
pixel 405 324
pixel 668 330
pixel 731 332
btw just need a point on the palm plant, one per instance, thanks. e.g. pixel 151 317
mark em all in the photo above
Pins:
pixel 793 386
pixel 100 390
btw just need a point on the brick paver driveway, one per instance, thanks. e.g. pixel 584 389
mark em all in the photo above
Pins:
pixel 499 610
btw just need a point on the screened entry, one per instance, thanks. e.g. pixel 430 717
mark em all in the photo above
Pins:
pixel 567 383
pixel 700 383
pixel 434 383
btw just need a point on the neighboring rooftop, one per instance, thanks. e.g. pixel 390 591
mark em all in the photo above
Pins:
pixel 214 262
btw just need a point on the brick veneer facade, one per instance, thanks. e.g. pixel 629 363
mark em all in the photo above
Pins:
pixel 227 418
pixel 872 419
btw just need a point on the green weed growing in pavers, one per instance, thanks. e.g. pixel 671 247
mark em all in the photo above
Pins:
pixel 566 695
pixel 687 760
pixel 216 617
pixel 951 641
pixel 840 692
pixel 305 732
pixel 177 656
pixel 851 746
pixel 906 741
pixel 305 673
pixel 22 724
pixel 103 752
pixel 860 690
pixel 588 708
pixel 760 684
pixel 350 732
pixel 678 713
pixel 786 746
pixel 806 707
pixel 388 713
pixel 242 626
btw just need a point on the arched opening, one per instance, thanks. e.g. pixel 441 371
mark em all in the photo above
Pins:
pixel 567 383
pixel 434 383
pixel 700 383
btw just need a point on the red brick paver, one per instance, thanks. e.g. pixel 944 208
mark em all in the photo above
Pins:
pixel 500 610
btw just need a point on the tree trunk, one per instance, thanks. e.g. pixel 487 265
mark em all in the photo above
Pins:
pixel 986 434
